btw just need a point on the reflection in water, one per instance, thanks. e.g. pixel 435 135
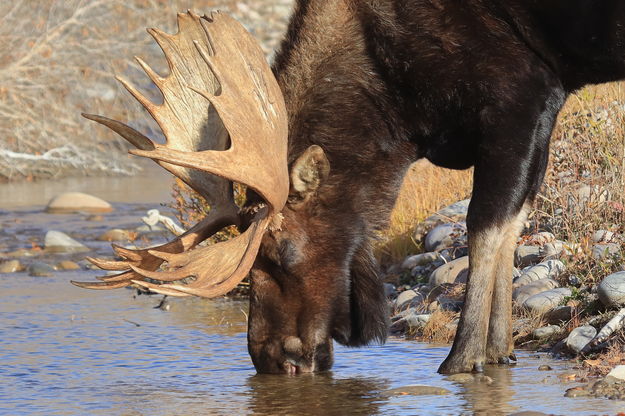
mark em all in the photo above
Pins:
pixel 65 350
pixel 319 394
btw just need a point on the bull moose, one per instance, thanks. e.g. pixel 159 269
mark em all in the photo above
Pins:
pixel 359 90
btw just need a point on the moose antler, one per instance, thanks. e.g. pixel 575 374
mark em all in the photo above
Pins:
pixel 224 118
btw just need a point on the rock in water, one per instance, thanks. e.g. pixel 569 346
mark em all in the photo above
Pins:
pixel 67 265
pixel 416 391
pixel 70 202
pixel 611 290
pixel 39 269
pixel 579 337
pixel 58 242
pixel 115 234
pixel 10 266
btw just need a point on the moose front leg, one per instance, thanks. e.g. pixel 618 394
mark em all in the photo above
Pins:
pixel 508 172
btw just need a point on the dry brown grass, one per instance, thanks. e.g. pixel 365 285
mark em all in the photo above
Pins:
pixel 439 328
pixel 58 58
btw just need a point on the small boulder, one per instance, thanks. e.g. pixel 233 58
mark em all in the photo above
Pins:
pixel 58 242
pixel 417 320
pixel 602 251
pixel 545 331
pixel 549 269
pixel 405 298
pixel 445 235
pixel 39 269
pixel 527 255
pixel 70 202
pixel 422 259
pixel 611 290
pixel 579 337
pixel 10 266
pixel 454 212
pixel 521 293
pixel 455 271
pixel 546 301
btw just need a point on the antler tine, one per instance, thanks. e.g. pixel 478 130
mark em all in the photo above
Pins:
pixel 218 79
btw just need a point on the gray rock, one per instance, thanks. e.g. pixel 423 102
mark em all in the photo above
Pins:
pixel 520 294
pixel 77 202
pixel 559 314
pixel 549 269
pixel 455 271
pixel 618 372
pixel 526 255
pixel 10 266
pixel 545 331
pixel 602 236
pixel 445 235
pixel 579 337
pixel 389 290
pixel 611 290
pixel 422 259
pixel 405 298
pixel 546 301
pixel 58 242
pixel 602 251
pixel 417 320
pixel 39 269
pixel 552 250
pixel 454 212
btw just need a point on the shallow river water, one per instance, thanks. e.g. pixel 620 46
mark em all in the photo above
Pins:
pixel 69 351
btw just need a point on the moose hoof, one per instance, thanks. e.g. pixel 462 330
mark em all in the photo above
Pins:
pixel 453 365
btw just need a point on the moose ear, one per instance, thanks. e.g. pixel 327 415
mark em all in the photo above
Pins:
pixel 308 172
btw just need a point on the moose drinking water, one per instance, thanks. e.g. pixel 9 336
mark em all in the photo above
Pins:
pixel 359 90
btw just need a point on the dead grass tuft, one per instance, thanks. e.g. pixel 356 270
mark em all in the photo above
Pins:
pixel 440 328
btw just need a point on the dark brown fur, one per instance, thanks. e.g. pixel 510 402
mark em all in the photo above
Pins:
pixel 380 84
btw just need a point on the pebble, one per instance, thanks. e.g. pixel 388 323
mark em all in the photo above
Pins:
pixel 545 368
pixel 576 392
pixel 455 271
pixel 39 269
pixel 71 202
pixel 545 331
pixel 546 301
pixel 422 259
pixel 67 265
pixel 58 242
pixel 21 252
pixel 611 290
pixel 95 218
pixel 461 378
pixel 579 337
pixel 445 235
pixel 549 269
pixel 10 266
pixel 520 294
pixel 603 251
pixel 115 234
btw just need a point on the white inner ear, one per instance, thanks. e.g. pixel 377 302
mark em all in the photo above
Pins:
pixel 309 170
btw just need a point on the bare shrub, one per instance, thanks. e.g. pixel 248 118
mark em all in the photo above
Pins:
pixel 58 58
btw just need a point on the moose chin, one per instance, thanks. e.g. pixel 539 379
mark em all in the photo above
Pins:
pixel 359 90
